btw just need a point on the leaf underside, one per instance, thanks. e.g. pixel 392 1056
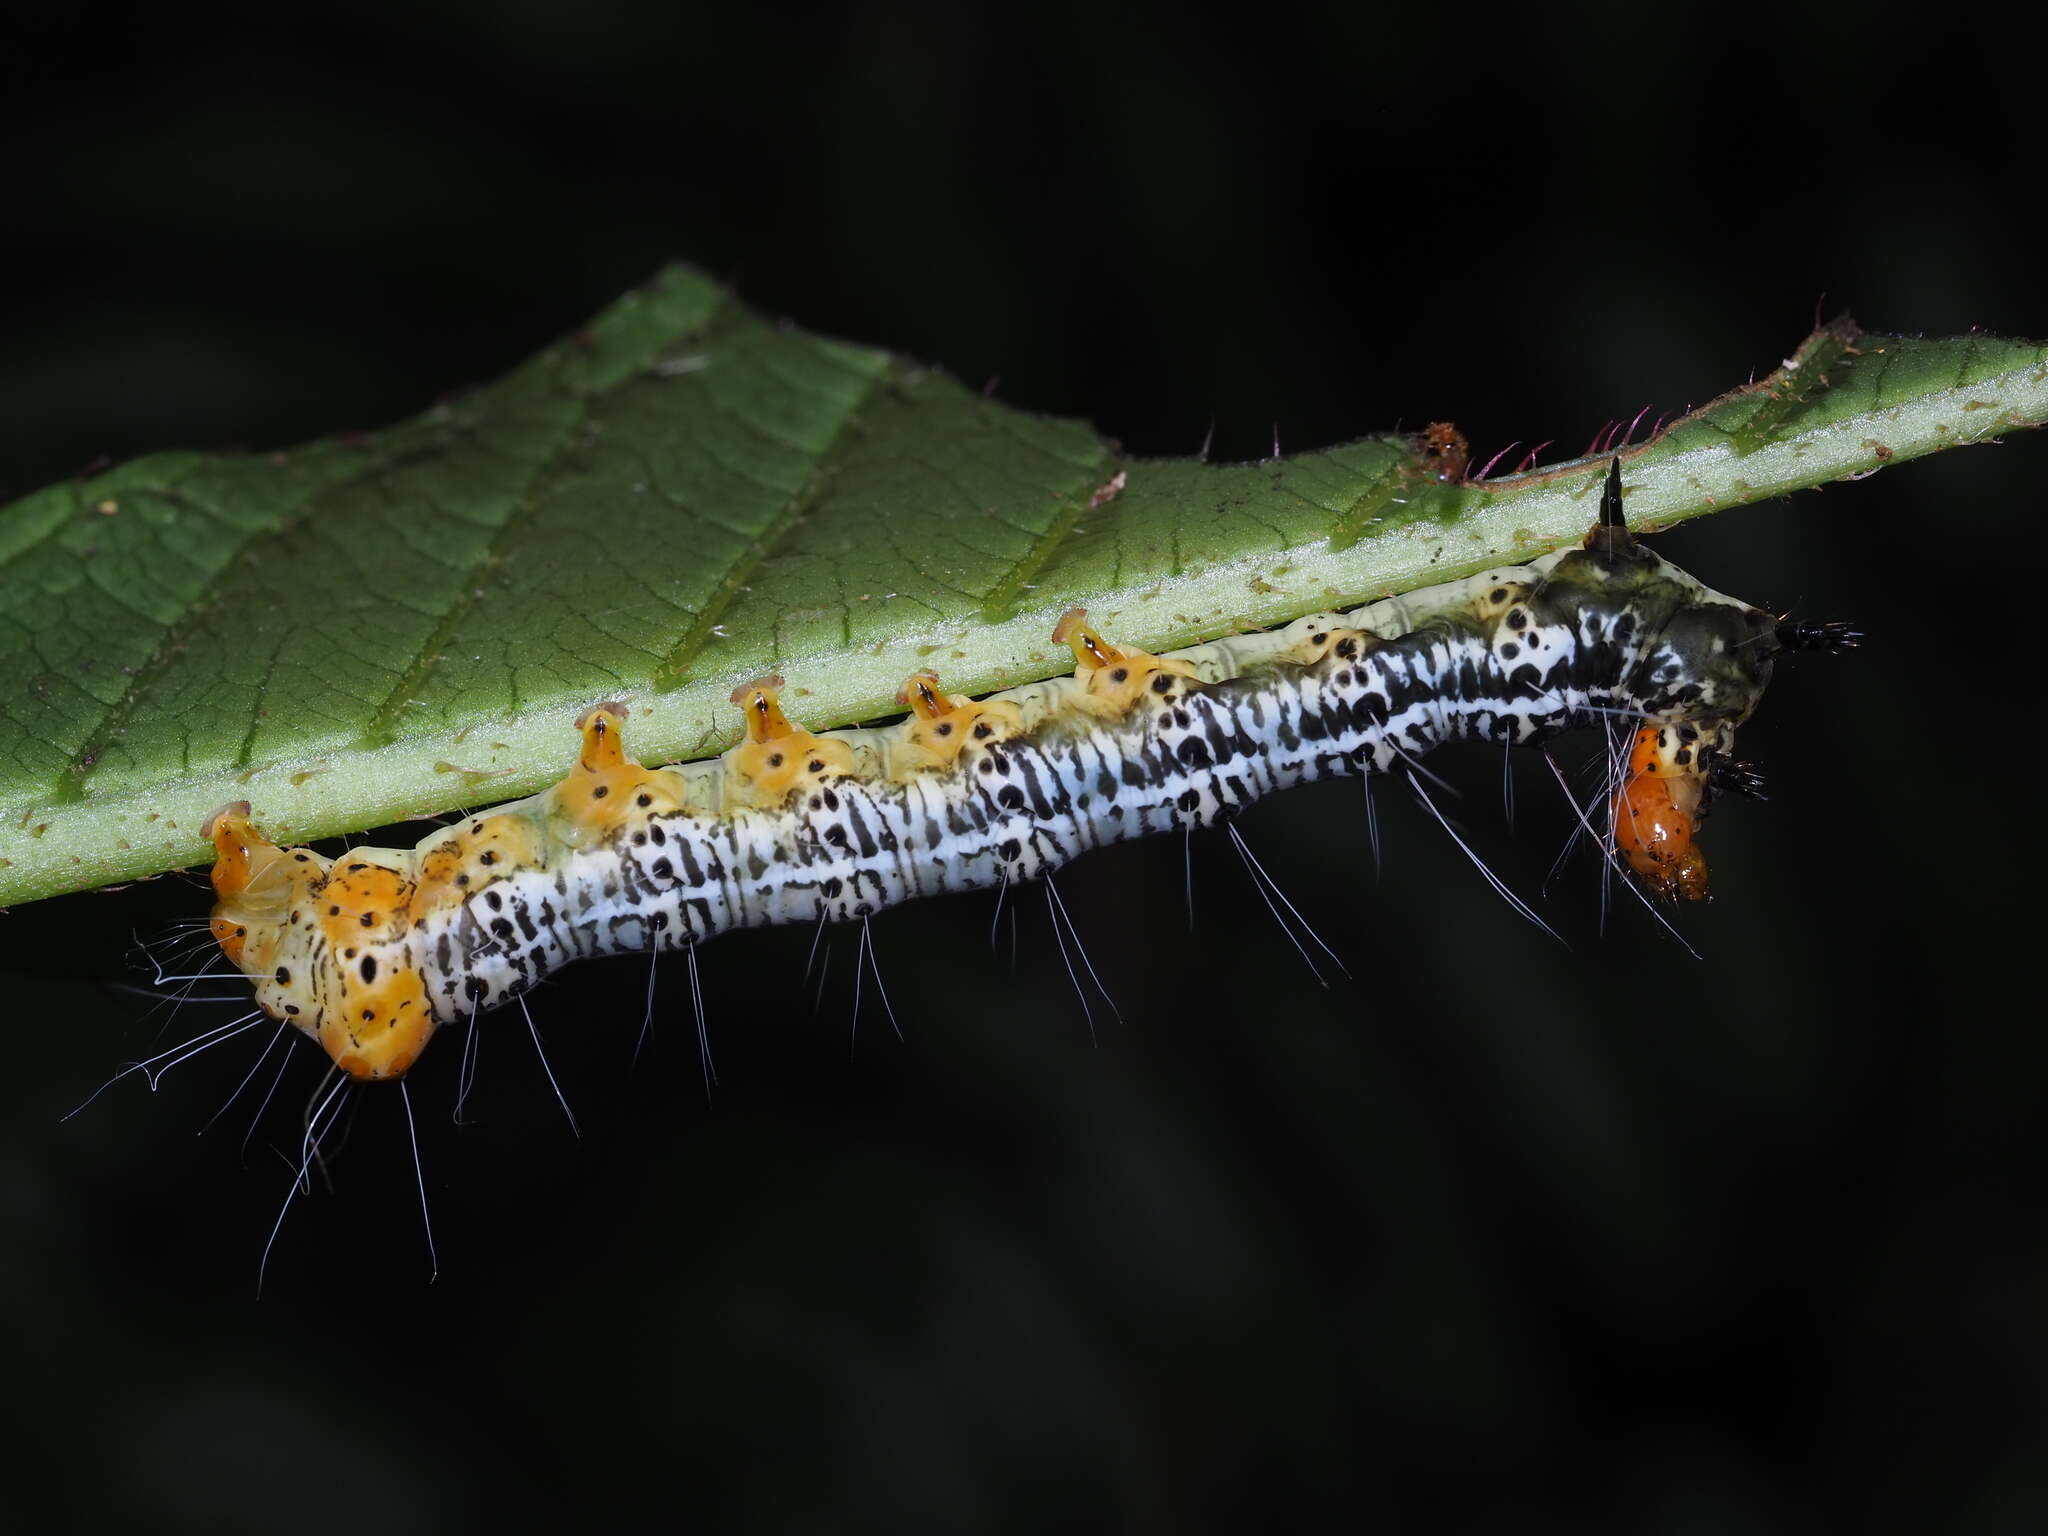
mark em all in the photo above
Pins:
pixel 684 496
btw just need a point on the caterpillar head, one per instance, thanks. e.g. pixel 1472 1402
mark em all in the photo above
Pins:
pixel 1658 807
pixel 1697 654
pixel 323 943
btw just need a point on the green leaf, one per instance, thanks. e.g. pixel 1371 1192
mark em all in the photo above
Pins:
pixel 684 496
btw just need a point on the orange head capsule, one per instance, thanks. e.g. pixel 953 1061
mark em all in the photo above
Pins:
pixel 1657 810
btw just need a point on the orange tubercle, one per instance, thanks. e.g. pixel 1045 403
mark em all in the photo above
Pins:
pixel 940 724
pixel 1087 644
pixel 605 788
pixel 762 700
pixel 602 747
pixel 229 831
pixel 920 695
pixel 778 757
pixel 1115 677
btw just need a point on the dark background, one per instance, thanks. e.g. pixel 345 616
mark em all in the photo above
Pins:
pixel 1500 1234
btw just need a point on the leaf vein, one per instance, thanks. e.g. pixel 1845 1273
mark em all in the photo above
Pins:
pixel 675 667
pixel 413 676
pixel 113 718
pixel 1005 592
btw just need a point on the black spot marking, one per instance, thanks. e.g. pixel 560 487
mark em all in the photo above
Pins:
pixel 369 968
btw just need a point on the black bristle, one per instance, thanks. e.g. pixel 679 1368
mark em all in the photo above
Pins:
pixel 1818 634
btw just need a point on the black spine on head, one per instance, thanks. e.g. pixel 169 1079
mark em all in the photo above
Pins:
pixel 1610 538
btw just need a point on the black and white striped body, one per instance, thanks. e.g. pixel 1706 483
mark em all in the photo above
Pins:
pixel 1513 656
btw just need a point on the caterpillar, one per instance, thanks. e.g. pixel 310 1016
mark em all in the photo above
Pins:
pixel 369 954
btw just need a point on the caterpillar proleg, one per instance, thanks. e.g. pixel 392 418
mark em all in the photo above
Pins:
pixel 371 953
